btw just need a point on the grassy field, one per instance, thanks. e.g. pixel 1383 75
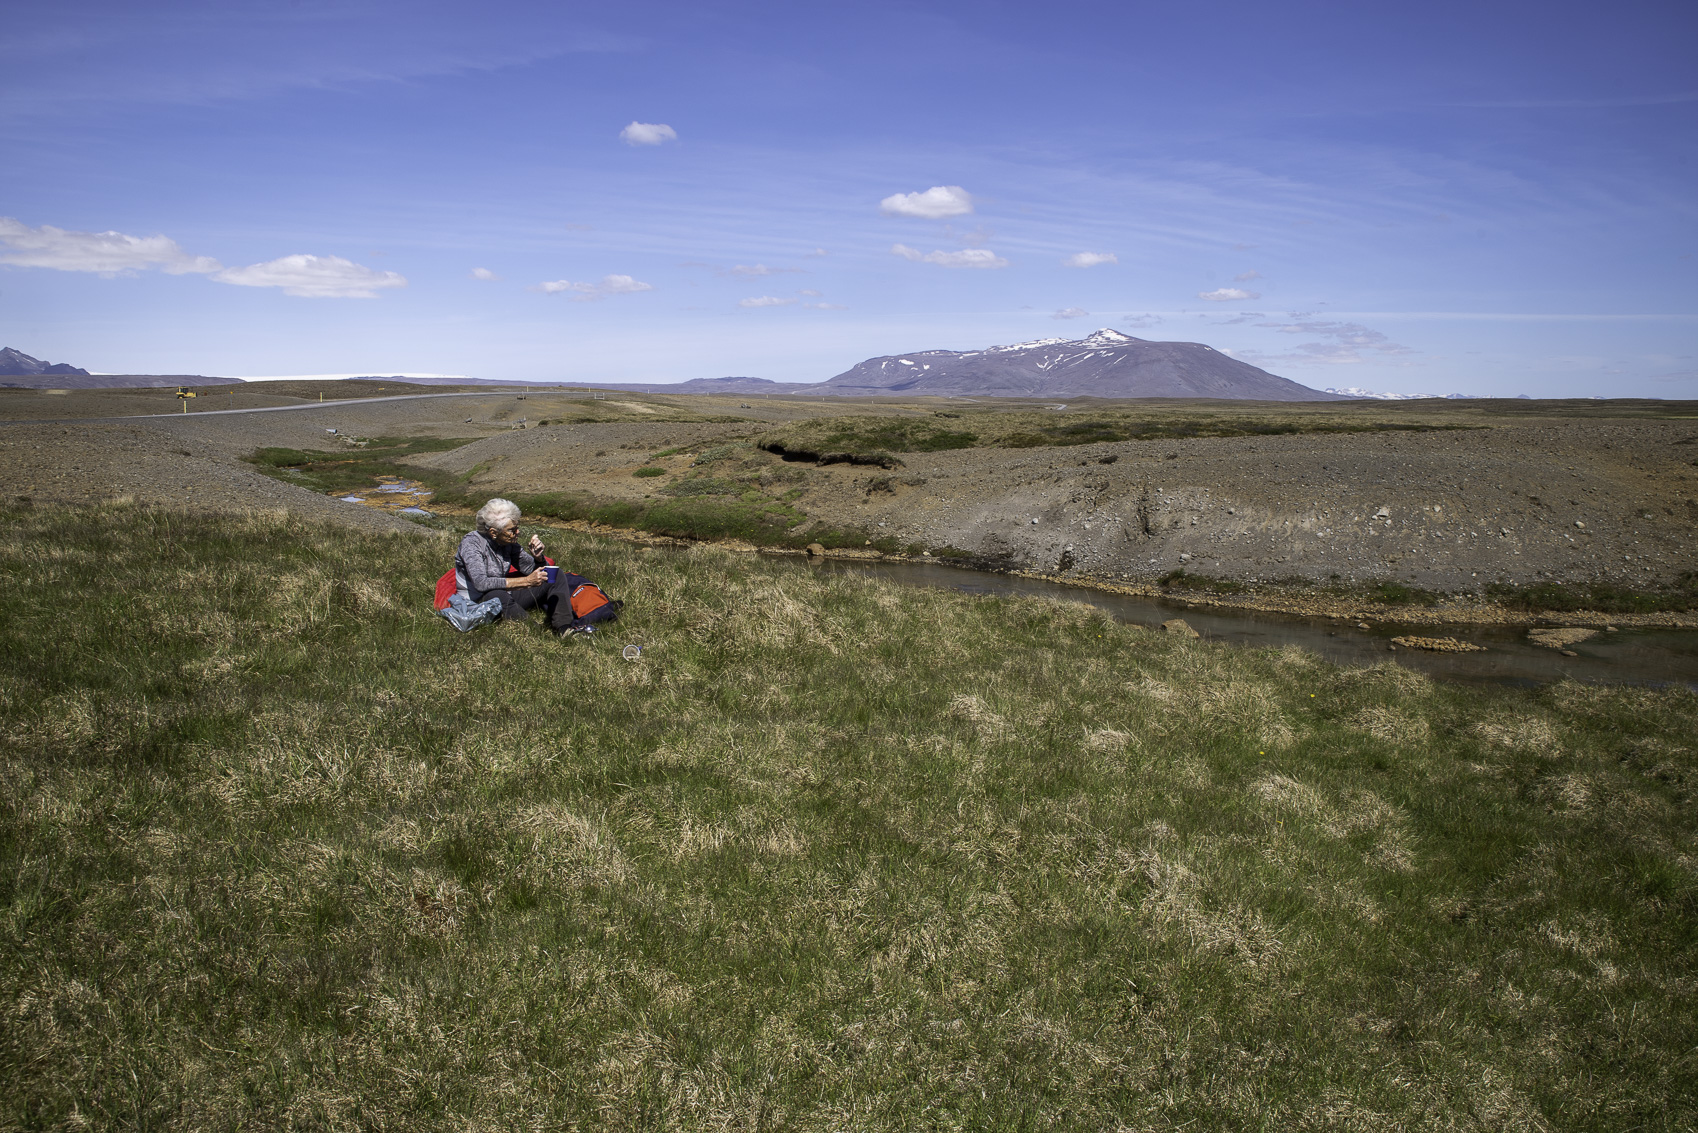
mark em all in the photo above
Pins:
pixel 279 849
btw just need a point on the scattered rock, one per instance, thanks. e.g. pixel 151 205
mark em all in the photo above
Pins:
pixel 1362 625
pixel 815 550
pixel 1559 637
pixel 1439 644
pixel 1579 524
pixel 1569 653
pixel 1179 626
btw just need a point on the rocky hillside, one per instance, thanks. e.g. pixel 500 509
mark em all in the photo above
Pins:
pixel 17 364
pixel 1105 364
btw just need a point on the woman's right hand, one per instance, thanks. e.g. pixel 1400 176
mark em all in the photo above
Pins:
pixel 538 577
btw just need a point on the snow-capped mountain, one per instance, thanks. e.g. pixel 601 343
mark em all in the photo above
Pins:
pixel 1105 364
pixel 1353 392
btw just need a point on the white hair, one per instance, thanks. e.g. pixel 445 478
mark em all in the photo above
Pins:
pixel 496 513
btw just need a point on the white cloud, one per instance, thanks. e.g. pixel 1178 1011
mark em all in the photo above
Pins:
pixel 1246 276
pixel 1228 294
pixel 590 292
pixel 765 301
pixel 1141 321
pixel 314 277
pixel 1090 259
pixel 935 203
pixel 647 134
pixel 826 306
pixel 817 252
pixel 810 292
pixel 108 253
pixel 1070 313
pixel 967 258
pixel 484 274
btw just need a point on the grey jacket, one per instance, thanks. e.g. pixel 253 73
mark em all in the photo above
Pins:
pixel 480 566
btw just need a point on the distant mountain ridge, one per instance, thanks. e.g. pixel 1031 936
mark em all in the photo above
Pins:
pixel 1107 364
pixel 17 364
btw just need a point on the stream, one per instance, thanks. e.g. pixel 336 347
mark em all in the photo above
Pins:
pixel 1641 656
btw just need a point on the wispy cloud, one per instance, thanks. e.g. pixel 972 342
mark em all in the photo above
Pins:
pixel 484 274
pixel 1070 313
pixel 1341 343
pixel 133 54
pixel 1246 276
pixel 1669 99
pixel 314 277
pixel 810 293
pixel 647 134
pixel 1090 259
pixel 966 258
pixel 765 301
pixel 1228 294
pixel 107 253
pixel 590 292
pixel 936 203
pixel 757 270
pixel 815 254
pixel 1138 322
pixel 826 306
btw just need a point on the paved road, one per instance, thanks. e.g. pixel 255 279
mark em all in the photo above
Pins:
pixel 264 409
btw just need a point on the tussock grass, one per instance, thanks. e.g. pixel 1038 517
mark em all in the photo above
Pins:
pixel 1679 596
pixel 280 849
pixel 871 440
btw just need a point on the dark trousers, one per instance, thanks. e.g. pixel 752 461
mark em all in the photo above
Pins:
pixel 554 599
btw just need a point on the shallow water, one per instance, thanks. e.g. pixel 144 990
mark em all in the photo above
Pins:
pixel 1628 656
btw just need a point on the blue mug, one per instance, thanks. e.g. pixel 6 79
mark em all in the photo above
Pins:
pixel 553 572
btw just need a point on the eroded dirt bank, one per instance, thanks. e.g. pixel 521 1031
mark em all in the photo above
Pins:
pixel 1518 502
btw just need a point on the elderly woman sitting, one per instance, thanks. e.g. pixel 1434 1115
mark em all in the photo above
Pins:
pixel 482 564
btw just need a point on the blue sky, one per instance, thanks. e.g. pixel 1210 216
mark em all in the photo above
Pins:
pixel 1480 198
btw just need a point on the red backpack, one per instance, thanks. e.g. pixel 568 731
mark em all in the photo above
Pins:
pixel 587 598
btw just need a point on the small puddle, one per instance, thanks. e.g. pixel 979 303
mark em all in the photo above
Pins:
pixel 393 494
pixel 1643 656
